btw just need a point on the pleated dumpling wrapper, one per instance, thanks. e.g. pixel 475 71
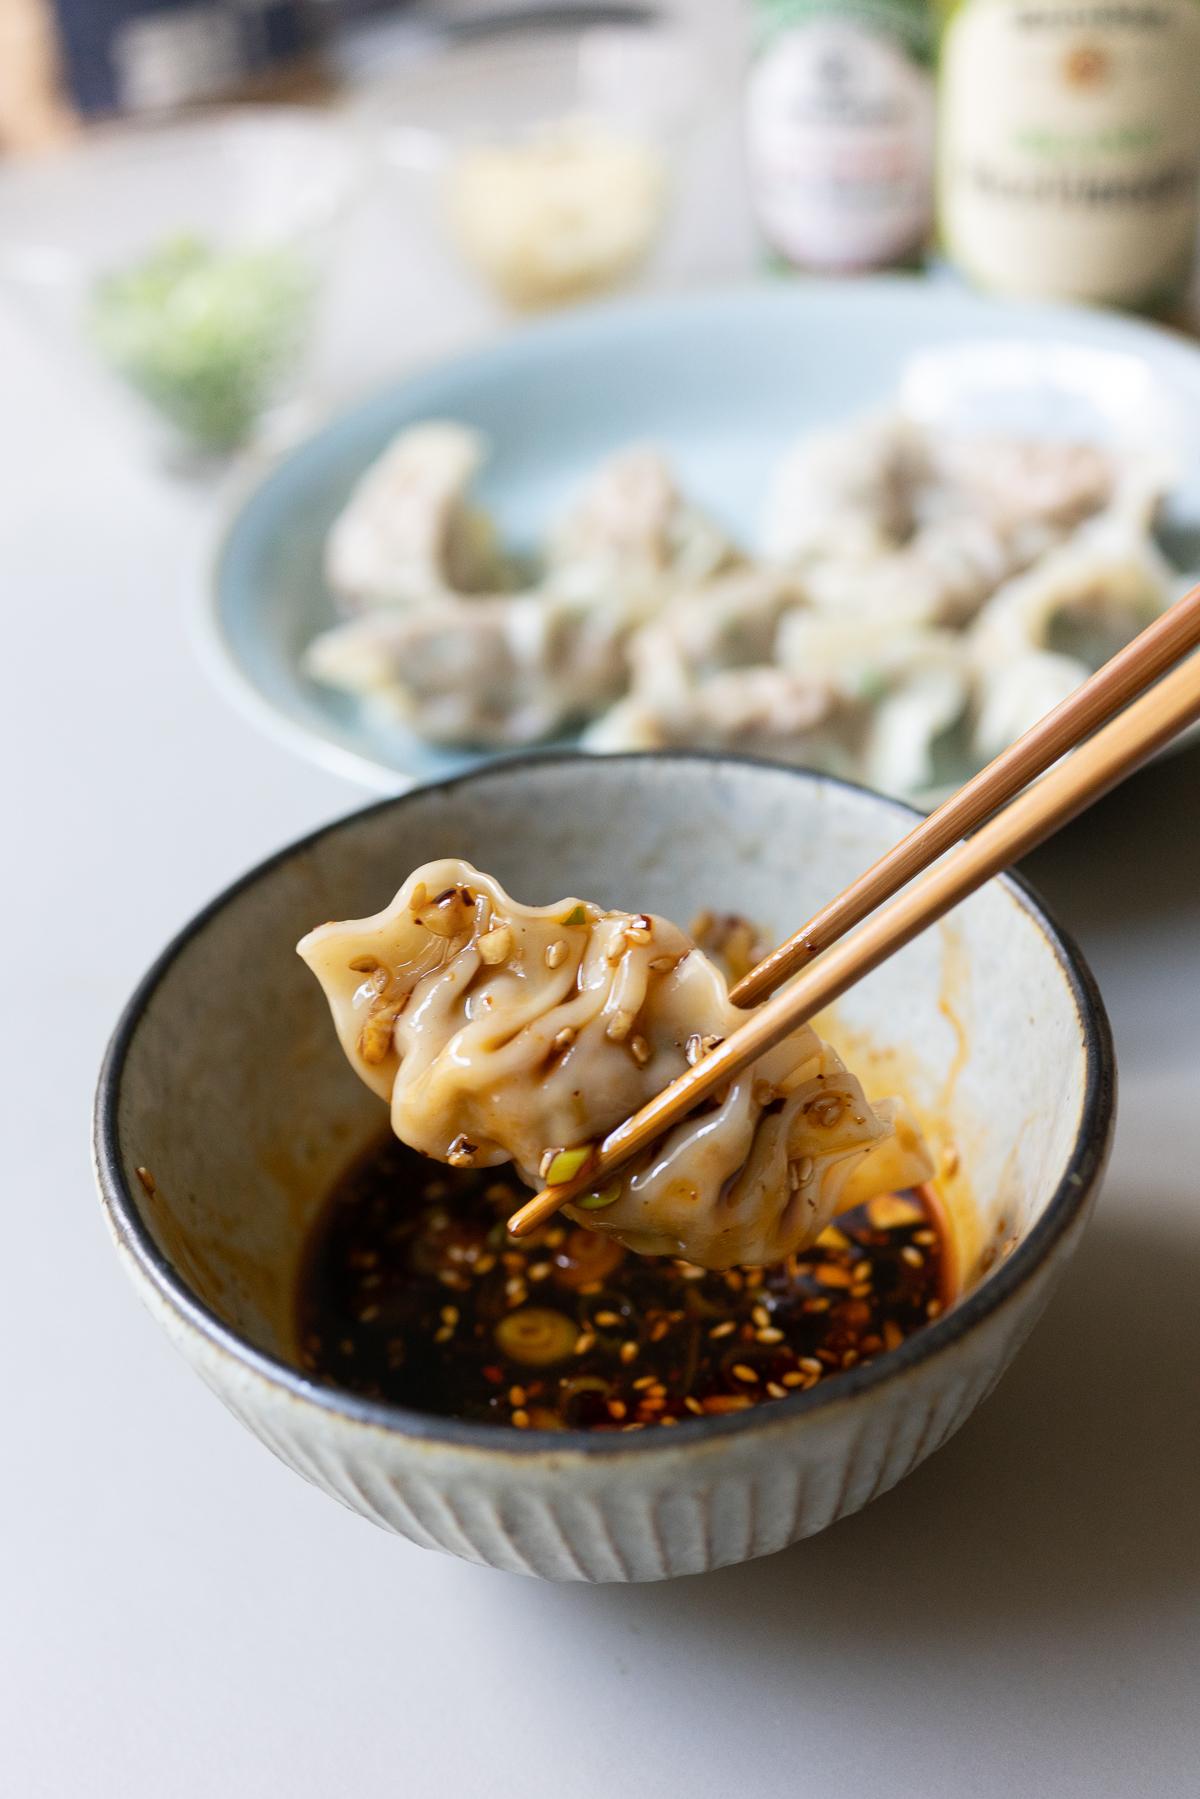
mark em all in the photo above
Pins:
pixel 499 1031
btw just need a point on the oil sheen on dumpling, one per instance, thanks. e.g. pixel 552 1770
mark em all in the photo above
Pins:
pixel 501 1032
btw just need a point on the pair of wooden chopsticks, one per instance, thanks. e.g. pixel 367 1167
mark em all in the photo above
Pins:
pixel 991 829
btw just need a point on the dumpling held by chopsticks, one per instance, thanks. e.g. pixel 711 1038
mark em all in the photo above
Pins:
pixel 503 1032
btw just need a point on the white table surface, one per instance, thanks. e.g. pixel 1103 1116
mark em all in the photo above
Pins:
pixel 180 1616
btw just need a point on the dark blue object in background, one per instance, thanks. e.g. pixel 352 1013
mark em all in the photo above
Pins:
pixel 150 55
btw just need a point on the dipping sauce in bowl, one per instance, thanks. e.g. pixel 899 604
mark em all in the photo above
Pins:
pixel 412 1291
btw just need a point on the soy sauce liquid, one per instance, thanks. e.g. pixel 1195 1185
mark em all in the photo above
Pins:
pixel 412 1291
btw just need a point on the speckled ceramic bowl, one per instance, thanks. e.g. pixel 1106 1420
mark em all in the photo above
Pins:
pixel 224 1080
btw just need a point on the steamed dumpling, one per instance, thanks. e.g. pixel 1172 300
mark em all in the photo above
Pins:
pixel 407 533
pixel 900 690
pixel 891 524
pixel 704 674
pixel 1085 600
pixel 632 528
pixel 502 1032
pixel 494 669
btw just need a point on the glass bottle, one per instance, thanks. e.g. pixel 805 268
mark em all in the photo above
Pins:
pixel 1069 147
pixel 839 125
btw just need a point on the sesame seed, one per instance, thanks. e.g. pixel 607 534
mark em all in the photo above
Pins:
pixel 809 1364
pixel 912 1256
pixel 643 1382
pixel 556 953
pixel 449 1314
pixel 723 1330
pixel 607 1319
pixel 693 1405
pixel 793 1378
pixel 668 1420
pixel 616 1408
pixel 584 1341
pixel 628 1351
pixel 769 1335
pixel 760 1315
pixel 496 946
pixel 933 1309
pixel 521 1418
pixel 775 1390
pixel 517 1396
pixel 537 1271
pixel 619 1026
pixel 639 1049
pixel 744 1372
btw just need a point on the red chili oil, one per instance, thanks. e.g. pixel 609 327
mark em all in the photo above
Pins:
pixel 412 1291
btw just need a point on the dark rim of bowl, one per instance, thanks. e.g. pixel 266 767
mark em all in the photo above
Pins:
pixel 1084 1166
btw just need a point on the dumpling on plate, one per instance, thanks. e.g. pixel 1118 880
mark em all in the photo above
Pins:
pixel 761 711
pixel 408 533
pixel 499 1031
pixel 1085 600
pixel 745 663
pixel 903 691
pixel 703 674
pixel 632 527
pixel 494 670
pixel 888 522
pixel 850 491
pixel 1014 693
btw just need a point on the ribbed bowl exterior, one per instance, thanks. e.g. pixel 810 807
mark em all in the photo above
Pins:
pixel 648 1514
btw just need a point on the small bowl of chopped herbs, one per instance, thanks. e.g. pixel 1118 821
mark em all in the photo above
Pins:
pixel 185 264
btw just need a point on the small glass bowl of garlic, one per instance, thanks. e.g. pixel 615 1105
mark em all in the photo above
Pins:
pixel 547 158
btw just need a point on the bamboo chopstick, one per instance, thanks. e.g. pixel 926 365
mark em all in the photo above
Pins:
pixel 1069 787
pixel 1129 673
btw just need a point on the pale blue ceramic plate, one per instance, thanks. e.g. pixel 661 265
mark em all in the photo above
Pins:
pixel 722 381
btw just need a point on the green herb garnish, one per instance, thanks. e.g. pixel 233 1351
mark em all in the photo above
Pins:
pixel 205 335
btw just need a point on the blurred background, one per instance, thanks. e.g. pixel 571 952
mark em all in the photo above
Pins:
pixel 425 158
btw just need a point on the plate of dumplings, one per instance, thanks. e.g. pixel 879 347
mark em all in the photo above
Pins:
pixel 875 528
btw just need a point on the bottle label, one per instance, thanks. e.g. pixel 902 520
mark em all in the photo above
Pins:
pixel 1070 146
pixel 839 142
